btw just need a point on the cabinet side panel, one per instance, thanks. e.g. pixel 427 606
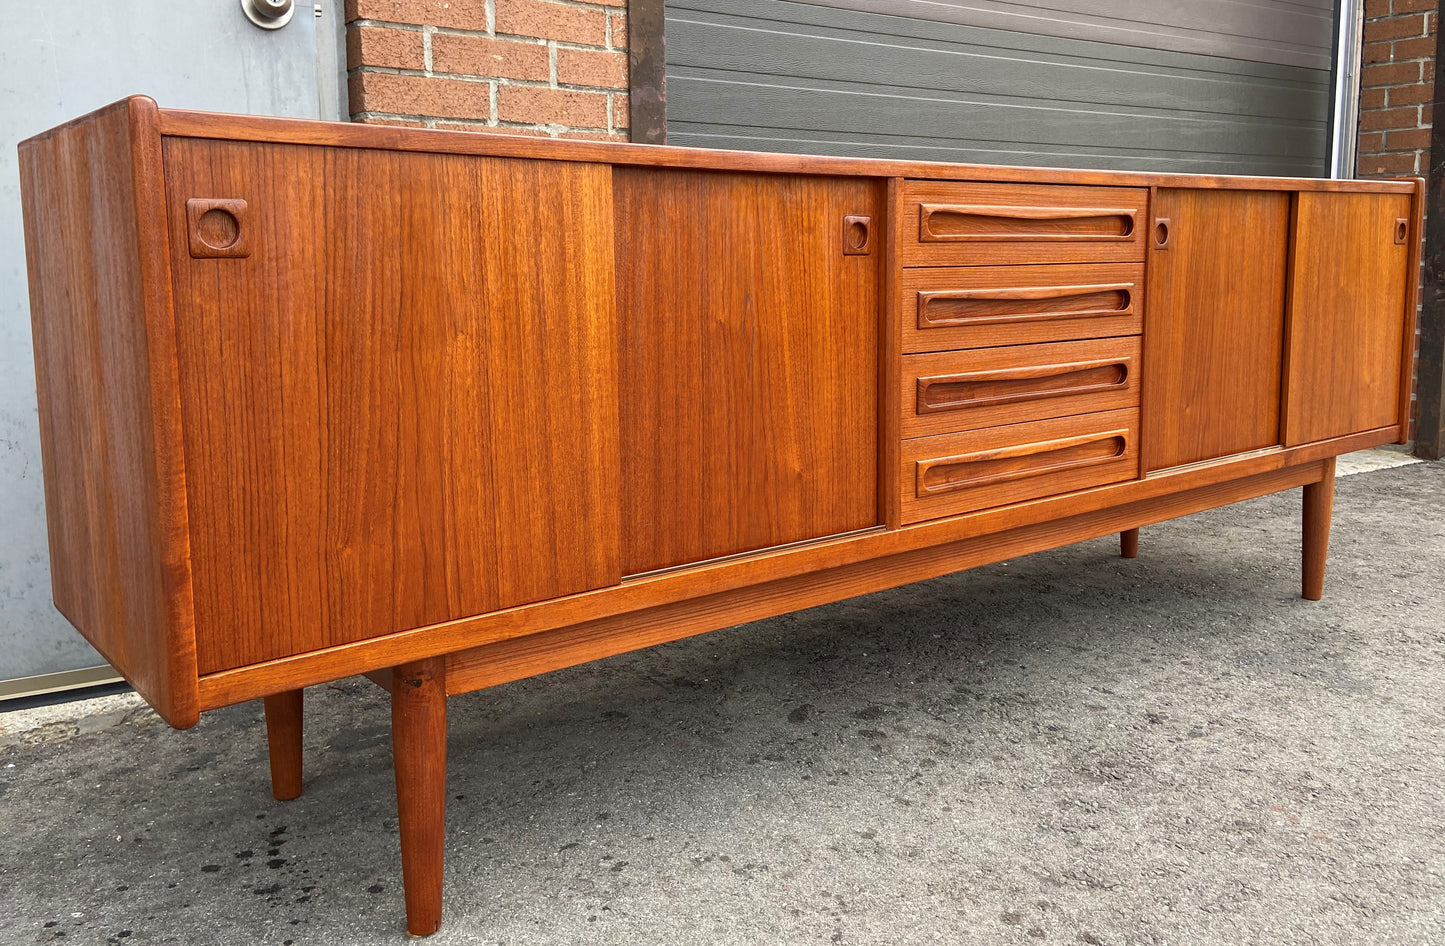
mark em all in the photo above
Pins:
pixel 1351 279
pixel 1213 325
pixel 749 362
pixel 400 402
pixel 104 365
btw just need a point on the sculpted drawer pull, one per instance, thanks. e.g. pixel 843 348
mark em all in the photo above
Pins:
pixel 954 307
pixel 951 223
pixel 1003 464
pixel 953 392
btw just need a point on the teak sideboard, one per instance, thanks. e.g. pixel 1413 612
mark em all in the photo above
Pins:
pixel 454 409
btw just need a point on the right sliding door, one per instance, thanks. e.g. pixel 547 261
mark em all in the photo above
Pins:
pixel 1345 345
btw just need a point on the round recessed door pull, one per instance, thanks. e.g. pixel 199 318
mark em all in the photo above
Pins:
pixel 1402 230
pixel 269 14
pixel 1161 233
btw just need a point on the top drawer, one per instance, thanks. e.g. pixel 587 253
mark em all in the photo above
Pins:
pixel 957 224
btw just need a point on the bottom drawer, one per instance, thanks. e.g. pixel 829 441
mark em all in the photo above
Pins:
pixel 956 473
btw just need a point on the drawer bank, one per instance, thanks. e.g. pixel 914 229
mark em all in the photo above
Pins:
pixel 450 409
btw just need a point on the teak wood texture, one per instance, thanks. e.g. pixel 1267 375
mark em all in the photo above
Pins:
pixel 399 409
pixel 1347 309
pixel 748 340
pixel 1214 324
pixel 450 410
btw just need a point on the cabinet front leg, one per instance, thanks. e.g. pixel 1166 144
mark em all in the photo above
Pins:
pixel 1129 543
pixel 283 743
pixel 1319 504
pixel 419 755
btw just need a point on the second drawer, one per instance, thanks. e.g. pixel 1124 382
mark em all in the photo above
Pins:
pixel 948 391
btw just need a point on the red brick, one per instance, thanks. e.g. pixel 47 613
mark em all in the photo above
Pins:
pixel 1375 98
pixel 1411 139
pixel 480 56
pixel 1413 6
pixel 1381 118
pixel 420 95
pixel 451 14
pixel 1378 52
pixel 571 24
pixel 1395 27
pixel 621 110
pixel 1420 48
pixel 595 67
pixel 1390 73
pixel 534 106
pixel 1426 115
pixel 504 130
pixel 379 46
pixel 619 30
pixel 1376 8
pixel 1406 95
pixel 1387 164
pixel 1372 142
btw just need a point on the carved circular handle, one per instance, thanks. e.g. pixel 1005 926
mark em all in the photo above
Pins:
pixel 219 229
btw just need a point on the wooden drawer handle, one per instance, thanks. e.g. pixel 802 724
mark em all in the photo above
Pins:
pixel 952 392
pixel 954 307
pixel 952 223
pixel 1001 465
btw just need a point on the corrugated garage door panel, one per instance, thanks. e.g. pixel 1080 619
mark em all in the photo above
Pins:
pixel 807 77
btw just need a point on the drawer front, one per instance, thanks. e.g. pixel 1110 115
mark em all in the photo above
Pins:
pixel 984 306
pixel 957 224
pixel 958 473
pixel 946 392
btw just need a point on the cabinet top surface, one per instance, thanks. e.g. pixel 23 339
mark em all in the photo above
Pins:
pixel 183 123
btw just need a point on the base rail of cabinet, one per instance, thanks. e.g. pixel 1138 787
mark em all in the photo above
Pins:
pixel 419 690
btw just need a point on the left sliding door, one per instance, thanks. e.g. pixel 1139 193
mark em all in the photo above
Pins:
pixel 398 388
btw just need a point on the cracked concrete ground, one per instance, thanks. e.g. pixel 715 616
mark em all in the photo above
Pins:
pixel 1065 748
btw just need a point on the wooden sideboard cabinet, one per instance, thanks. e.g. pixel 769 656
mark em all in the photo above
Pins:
pixel 451 410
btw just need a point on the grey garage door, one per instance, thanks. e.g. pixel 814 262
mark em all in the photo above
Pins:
pixel 1201 86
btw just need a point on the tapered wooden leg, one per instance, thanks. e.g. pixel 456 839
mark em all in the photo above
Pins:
pixel 1318 506
pixel 283 741
pixel 1129 543
pixel 419 754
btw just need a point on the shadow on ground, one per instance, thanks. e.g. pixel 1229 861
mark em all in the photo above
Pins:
pixel 1064 748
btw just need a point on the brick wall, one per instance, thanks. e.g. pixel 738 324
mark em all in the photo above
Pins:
pixel 1396 87
pixel 540 67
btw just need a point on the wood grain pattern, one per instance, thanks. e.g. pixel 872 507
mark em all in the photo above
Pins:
pixel 1415 240
pixel 1214 326
pixel 954 473
pixel 666 588
pixel 181 122
pixel 283 742
pixel 516 659
pixel 419 758
pixel 890 365
pixel 1347 297
pixel 749 375
pixel 105 369
pixel 979 224
pixel 945 392
pixel 1319 503
pixel 1129 543
pixel 399 410
pixel 983 306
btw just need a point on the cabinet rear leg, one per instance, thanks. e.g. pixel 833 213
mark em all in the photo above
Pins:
pixel 419 755
pixel 1129 543
pixel 1319 504
pixel 283 742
